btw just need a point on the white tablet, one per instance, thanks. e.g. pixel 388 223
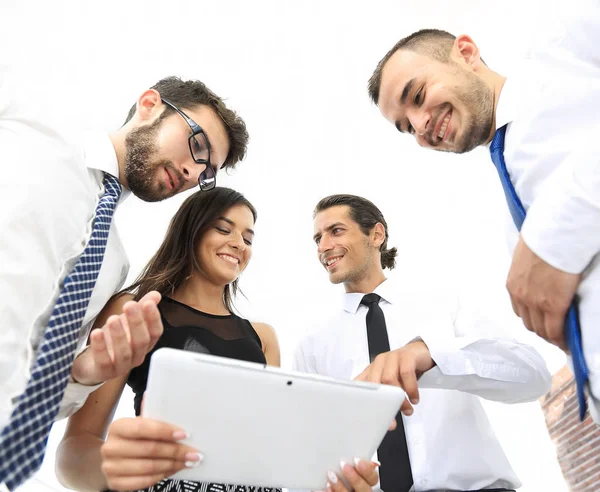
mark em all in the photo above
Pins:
pixel 262 426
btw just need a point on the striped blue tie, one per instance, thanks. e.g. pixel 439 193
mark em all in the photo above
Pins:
pixel 23 440
pixel 572 328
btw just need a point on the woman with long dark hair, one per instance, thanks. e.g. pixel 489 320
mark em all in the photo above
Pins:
pixel 196 270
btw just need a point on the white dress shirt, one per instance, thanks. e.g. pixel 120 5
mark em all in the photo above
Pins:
pixel 51 183
pixel 450 441
pixel 551 107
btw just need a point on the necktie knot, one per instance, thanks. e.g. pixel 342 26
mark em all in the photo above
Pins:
pixel 498 140
pixel 369 299
pixel 112 186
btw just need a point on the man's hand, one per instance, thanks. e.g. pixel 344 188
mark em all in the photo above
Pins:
pixel 401 367
pixel 122 343
pixel 140 452
pixel 540 294
pixel 361 477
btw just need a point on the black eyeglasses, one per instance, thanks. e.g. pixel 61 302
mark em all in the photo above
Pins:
pixel 200 150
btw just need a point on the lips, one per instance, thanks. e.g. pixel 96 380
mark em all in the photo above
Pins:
pixel 234 260
pixel 331 261
pixel 172 181
pixel 442 127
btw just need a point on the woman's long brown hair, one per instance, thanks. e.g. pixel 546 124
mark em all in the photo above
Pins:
pixel 176 260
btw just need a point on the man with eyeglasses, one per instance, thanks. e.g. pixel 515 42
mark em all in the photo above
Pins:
pixel 61 258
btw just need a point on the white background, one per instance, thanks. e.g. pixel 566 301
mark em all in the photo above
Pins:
pixel 297 72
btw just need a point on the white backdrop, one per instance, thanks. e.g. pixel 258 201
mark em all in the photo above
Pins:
pixel 297 72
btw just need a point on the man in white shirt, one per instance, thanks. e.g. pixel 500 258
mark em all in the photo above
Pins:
pixel 436 87
pixel 177 136
pixel 451 354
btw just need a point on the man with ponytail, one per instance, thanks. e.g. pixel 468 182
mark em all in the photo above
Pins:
pixel 444 354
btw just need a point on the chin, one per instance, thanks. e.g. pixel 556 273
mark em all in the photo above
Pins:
pixel 227 279
pixel 216 276
pixel 336 278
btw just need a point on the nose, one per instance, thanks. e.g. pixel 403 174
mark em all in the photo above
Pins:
pixel 237 242
pixel 324 245
pixel 420 121
pixel 191 172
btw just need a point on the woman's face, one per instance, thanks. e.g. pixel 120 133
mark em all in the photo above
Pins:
pixel 226 248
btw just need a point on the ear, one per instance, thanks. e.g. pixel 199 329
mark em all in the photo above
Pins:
pixel 149 105
pixel 465 51
pixel 378 235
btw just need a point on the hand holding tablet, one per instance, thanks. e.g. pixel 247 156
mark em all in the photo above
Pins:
pixel 263 426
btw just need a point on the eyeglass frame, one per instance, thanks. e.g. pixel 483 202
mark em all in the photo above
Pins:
pixel 205 182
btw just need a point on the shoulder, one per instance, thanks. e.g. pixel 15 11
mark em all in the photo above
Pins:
pixel 264 330
pixel 116 303
pixel 269 342
pixel 113 306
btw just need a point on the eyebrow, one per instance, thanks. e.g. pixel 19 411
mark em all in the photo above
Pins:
pixel 231 222
pixel 407 88
pixel 327 229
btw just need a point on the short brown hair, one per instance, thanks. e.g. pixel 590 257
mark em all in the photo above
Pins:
pixel 189 94
pixel 434 43
pixel 366 215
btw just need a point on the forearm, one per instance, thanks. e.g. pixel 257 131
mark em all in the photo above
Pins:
pixel 79 463
pixel 75 396
pixel 495 369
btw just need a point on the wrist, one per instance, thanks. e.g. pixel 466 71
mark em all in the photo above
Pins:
pixel 424 361
pixel 77 376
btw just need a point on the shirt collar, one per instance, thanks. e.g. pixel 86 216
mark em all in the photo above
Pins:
pixel 506 110
pixel 100 155
pixel 351 301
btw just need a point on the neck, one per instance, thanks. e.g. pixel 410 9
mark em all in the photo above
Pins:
pixel 367 284
pixel 118 140
pixel 199 293
pixel 496 82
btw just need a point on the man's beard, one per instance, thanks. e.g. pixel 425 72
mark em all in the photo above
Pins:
pixel 478 99
pixel 141 164
pixel 356 273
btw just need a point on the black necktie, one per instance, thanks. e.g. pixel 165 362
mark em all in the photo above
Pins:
pixel 395 473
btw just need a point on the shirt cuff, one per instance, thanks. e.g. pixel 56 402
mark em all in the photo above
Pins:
pixel 75 393
pixel 447 354
pixel 75 396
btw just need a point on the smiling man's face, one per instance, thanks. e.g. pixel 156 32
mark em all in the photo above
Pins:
pixel 343 249
pixel 444 105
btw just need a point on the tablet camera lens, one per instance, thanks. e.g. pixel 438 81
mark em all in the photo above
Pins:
pixel 289 383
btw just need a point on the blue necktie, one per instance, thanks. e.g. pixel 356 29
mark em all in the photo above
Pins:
pixel 572 329
pixel 23 440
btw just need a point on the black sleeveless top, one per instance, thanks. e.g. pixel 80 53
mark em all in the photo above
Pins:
pixel 187 328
